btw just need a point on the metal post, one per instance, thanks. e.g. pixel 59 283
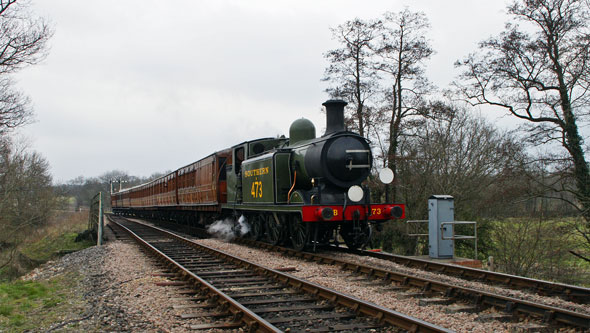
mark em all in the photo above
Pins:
pixel 100 219
pixel 475 235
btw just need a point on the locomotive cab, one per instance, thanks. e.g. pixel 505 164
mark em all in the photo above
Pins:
pixel 244 153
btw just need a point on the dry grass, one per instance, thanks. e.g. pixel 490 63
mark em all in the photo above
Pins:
pixel 60 223
pixel 48 242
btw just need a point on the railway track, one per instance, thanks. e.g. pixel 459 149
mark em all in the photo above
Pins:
pixel 567 292
pixel 575 294
pixel 259 299
pixel 445 293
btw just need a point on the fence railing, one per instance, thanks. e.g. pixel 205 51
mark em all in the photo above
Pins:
pixel 414 228
pixel 96 218
pixel 462 237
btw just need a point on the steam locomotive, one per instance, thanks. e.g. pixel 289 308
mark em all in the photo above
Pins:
pixel 302 190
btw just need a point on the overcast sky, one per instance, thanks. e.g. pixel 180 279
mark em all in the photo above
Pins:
pixel 146 86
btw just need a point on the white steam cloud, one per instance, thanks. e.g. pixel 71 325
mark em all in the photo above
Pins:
pixel 228 228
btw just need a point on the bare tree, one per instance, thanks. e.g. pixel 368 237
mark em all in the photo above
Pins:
pixel 351 71
pixel 26 195
pixel 4 4
pixel 15 109
pixel 403 48
pixel 23 41
pixel 457 153
pixel 541 77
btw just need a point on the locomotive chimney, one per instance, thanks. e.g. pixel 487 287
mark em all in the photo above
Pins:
pixel 334 115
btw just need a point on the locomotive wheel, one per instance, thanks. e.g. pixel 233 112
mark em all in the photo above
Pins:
pixel 360 238
pixel 299 233
pixel 256 223
pixel 273 230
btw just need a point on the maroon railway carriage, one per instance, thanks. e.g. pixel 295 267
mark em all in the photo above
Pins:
pixel 198 187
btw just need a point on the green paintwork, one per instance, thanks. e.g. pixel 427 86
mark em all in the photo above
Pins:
pixel 296 198
pixel 266 145
pixel 264 208
pixel 298 156
pixel 253 148
pixel 301 130
pixel 258 180
pixel 283 176
pixel 233 181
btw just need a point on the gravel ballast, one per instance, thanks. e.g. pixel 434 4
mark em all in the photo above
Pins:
pixel 119 292
pixel 333 277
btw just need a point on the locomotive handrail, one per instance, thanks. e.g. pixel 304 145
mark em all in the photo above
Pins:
pixel 334 136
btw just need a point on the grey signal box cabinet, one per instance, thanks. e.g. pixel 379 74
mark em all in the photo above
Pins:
pixel 441 208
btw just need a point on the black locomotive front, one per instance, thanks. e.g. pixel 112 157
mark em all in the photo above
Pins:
pixel 333 163
pixel 328 173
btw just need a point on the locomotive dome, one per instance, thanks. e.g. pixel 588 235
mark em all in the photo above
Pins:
pixel 302 129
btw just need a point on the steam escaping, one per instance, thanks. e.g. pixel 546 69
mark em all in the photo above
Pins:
pixel 229 229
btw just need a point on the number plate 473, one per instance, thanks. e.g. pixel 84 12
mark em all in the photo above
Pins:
pixel 256 191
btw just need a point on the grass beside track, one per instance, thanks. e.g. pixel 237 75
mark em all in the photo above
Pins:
pixel 47 242
pixel 31 305
pixel 51 247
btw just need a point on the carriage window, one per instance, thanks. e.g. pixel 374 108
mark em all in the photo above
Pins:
pixel 222 168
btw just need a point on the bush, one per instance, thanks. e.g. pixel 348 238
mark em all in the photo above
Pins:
pixel 538 248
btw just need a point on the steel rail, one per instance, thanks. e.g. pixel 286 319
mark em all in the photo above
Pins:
pixel 509 304
pixel 573 293
pixel 384 315
pixel 249 318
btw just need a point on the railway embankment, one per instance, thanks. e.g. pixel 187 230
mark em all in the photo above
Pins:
pixel 81 291
pixel 107 288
